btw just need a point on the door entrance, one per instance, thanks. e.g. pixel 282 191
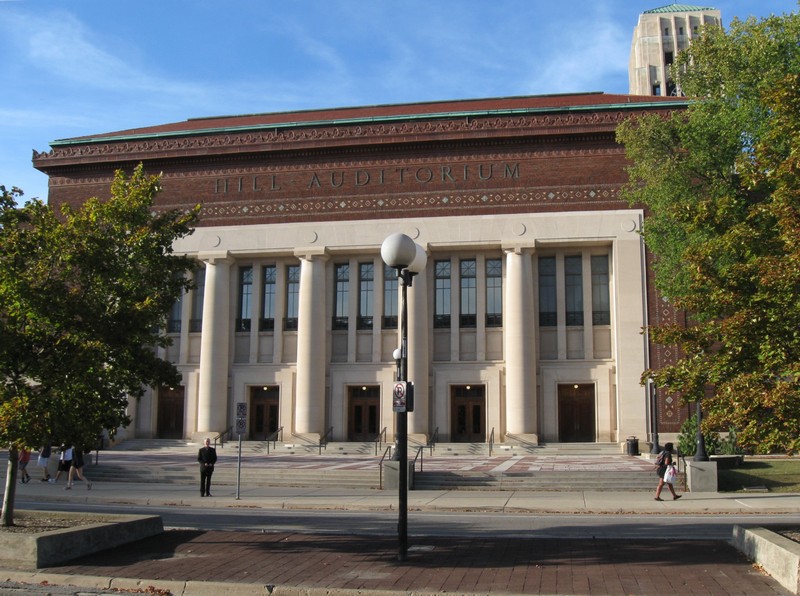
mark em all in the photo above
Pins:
pixel 170 412
pixel 468 414
pixel 364 408
pixel 576 417
pixel 264 412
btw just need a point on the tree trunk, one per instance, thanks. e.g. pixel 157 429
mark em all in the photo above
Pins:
pixel 7 516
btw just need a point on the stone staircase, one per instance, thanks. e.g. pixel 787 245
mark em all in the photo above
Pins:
pixel 594 480
pixel 173 462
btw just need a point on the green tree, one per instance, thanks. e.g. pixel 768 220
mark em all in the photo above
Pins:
pixel 720 185
pixel 83 294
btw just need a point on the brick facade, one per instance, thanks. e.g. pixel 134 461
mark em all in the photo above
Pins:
pixel 530 158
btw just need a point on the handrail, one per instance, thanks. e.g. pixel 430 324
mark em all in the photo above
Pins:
pixel 491 442
pixel 419 456
pixel 682 458
pixel 324 439
pixel 274 438
pixel 434 439
pixel 386 452
pixel 378 442
pixel 521 441
pixel 221 435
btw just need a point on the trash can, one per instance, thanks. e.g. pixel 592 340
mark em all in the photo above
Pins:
pixel 633 446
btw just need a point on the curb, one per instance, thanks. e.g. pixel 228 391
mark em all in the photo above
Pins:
pixel 779 556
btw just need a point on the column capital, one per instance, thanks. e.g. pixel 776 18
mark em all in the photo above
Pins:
pixel 216 257
pixel 517 249
pixel 312 252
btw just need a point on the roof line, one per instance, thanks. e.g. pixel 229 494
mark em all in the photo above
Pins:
pixel 363 120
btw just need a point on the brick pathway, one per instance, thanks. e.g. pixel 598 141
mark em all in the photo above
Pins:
pixel 436 565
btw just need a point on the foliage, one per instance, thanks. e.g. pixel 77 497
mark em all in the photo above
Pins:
pixel 687 439
pixel 83 294
pixel 720 185
pixel 730 445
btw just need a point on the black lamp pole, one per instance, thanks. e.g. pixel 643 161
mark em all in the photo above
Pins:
pixel 404 277
pixel 406 257
pixel 655 449
pixel 700 452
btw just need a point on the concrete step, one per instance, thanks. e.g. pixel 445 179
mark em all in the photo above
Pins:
pixel 536 481
pixel 227 475
pixel 569 466
pixel 168 445
pixel 360 449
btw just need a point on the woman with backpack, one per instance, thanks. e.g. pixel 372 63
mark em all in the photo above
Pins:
pixel 663 465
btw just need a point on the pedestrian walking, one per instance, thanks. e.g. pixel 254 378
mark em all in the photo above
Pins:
pixel 665 469
pixel 64 462
pixel 77 469
pixel 43 461
pixel 206 457
pixel 24 458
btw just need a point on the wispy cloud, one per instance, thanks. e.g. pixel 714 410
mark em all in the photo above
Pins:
pixel 581 64
pixel 59 45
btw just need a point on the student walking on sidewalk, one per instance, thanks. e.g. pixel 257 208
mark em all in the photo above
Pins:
pixel 77 468
pixel 665 470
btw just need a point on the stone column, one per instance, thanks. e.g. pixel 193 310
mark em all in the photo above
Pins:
pixel 311 346
pixel 520 346
pixel 212 400
pixel 418 357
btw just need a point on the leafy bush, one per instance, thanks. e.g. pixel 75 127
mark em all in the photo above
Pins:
pixel 729 445
pixel 687 439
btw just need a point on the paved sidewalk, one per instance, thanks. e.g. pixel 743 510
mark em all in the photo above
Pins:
pixel 418 500
pixel 243 564
pixel 189 562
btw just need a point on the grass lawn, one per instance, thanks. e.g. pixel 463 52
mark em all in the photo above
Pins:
pixel 777 475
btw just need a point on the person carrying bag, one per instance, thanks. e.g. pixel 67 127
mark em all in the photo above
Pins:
pixel 666 472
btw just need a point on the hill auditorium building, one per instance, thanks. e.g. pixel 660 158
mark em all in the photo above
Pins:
pixel 526 325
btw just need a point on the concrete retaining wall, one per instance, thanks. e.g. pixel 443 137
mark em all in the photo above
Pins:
pixel 43 549
pixel 779 556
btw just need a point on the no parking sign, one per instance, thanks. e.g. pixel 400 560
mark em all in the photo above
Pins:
pixel 403 397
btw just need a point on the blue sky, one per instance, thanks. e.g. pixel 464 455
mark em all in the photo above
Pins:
pixel 78 67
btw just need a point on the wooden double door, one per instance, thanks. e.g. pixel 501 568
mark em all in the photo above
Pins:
pixel 264 412
pixel 363 413
pixel 576 413
pixel 468 413
pixel 170 412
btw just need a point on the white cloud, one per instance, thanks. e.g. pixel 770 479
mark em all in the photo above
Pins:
pixel 582 63
pixel 57 44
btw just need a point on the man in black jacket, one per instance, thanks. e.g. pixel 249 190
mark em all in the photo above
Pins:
pixel 207 457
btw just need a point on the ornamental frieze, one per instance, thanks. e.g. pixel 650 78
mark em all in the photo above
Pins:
pixel 265 135
pixel 217 212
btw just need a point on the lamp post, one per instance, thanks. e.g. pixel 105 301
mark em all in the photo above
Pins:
pixel 655 449
pixel 406 257
pixel 700 441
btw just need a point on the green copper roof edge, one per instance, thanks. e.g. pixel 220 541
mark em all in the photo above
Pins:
pixel 367 120
pixel 671 8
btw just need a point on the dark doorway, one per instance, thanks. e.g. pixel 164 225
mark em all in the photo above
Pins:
pixel 264 412
pixel 364 409
pixel 576 419
pixel 468 414
pixel 170 412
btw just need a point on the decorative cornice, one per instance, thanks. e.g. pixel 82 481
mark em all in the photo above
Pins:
pixel 272 138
